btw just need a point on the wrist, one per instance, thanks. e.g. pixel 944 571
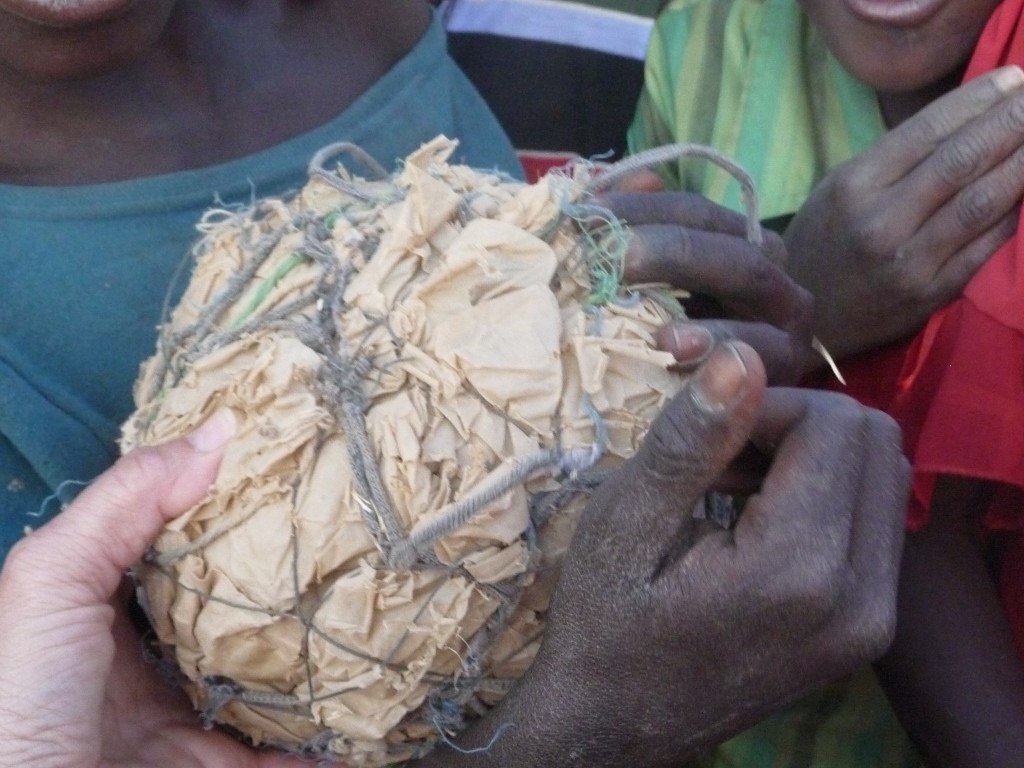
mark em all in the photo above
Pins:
pixel 544 724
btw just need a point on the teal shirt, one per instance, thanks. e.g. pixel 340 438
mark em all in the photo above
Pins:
pixel 85 272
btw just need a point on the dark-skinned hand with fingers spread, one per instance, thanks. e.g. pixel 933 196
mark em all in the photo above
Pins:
pixel 895 233
pixel 669 634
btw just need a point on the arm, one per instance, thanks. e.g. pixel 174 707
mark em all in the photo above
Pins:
pixel 953 672
pixel 667 635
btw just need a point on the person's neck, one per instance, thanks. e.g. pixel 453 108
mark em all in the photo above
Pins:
pixel 226 79
pixel 897 107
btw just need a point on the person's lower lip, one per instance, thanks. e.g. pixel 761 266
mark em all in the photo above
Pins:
pixel 70 13
pixel 902 13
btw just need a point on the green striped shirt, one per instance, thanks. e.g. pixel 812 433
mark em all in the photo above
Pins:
pixel 753 79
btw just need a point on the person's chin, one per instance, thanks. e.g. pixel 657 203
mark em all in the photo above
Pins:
pixel 78 39
pixel 66 13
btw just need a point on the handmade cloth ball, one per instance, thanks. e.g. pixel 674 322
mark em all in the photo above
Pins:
pixel 429 371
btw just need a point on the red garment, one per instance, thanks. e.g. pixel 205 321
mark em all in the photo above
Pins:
pixel 960 398
pixel 537 163
pixel 959 395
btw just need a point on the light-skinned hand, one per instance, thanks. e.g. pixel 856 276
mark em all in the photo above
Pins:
pixel 75 691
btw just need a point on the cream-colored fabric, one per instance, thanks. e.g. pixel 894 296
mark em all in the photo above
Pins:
pixel 454 305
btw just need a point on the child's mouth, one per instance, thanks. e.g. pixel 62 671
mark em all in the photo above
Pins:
pixel 65 13
pixel 901 13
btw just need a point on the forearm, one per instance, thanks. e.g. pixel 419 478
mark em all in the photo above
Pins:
pixel 953 672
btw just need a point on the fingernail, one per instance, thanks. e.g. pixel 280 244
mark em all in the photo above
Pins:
pixel 690 343
pixel 1010 77
pixel 721 381
pixel 214 432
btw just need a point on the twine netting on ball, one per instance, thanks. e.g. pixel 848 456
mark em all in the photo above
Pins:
pixel 429 371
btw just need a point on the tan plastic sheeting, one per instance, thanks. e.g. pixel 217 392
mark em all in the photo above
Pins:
pixel 468 307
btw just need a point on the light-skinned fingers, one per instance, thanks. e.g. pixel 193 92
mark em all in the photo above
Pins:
pixel 972 178
pixel 904 147
pixel 729 269
pixel 87 548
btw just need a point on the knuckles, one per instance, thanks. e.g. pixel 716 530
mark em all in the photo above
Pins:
pixel 957 159
pixel 871 233
pixel 656 253
pixel 872 630
pixel 774 248
pixel 1011 118
pixel 762 272
pixel 135 476
pixel 930 124
pixel 836 407
pixel 1016 164
pixel 819 592
pixel 866 225
pixel 908 287
pixel 884 427
pixel 975 207
pixel 679 441
pixel 850 184
pixel 864 628
pixel 880 429
pixel 826 594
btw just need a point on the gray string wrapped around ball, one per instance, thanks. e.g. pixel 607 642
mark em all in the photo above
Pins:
pixel 429 371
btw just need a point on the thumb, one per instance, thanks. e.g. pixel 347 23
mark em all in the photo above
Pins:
pixel 690 444
pixel 80 557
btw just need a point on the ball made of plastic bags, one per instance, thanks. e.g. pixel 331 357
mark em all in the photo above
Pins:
pixel 429 371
